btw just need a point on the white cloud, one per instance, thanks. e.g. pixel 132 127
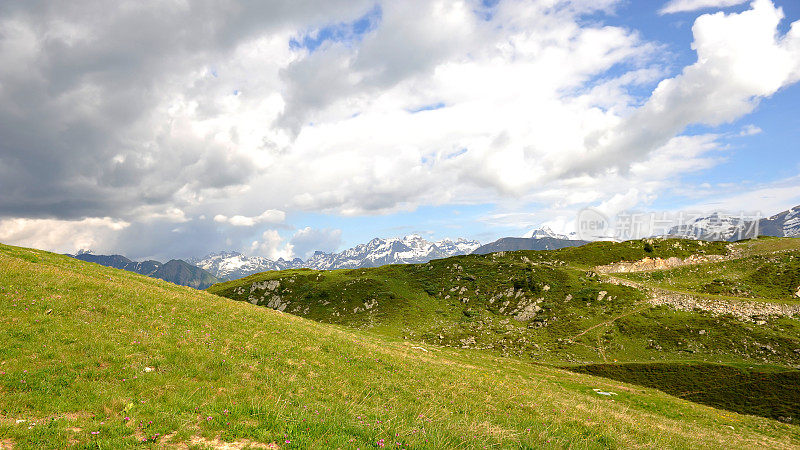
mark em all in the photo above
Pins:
pixel 750 130
pixel 272 246
pixel 302 244
pixel 63 236
pixel 509 109
pixel 676 6
pixel 174 215
pixel 741 60
pixel 613 191
pixel 273 216
pixel 517 120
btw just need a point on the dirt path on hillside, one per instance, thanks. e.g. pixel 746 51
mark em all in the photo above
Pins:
pixel 610 321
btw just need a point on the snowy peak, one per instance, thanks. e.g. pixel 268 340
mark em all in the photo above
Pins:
pixel 234 265
pixel 547 232
pixel 791 222
pixel 377 252
pixel 460 246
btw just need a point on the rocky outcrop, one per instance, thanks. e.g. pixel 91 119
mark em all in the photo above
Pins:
pixel 647 264
pixel 747 311
pixel 528 312
pixel 268 289
pixel 743 310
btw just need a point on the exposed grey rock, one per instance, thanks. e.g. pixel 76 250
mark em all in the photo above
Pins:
pixel 742 310
pixel 528 313
pixel 658 264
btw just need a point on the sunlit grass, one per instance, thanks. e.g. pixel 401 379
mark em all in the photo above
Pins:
pixel 95 357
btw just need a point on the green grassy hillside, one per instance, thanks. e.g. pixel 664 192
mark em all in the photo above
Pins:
pixel 95 357
pixel 551 307
pixel 541 305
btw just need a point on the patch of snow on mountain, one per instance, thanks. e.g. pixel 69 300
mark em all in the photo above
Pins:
pixel 717 226
pixel 791 224
pixel 460 246
pixel 547 232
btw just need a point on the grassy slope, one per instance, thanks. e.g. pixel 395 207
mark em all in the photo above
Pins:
pixel 450 302
pixel 78 336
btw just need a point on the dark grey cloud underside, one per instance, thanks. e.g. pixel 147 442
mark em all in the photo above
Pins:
pixel 69 108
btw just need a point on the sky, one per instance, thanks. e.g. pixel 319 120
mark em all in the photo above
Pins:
pixel 172 129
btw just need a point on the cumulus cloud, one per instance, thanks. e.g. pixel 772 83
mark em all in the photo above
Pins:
pixel 505 108
pixel 676 6
pixel 765 199
pixel 272 246
pixel 612 192
pixel 302 244
pixel 741 60
pixel 269 216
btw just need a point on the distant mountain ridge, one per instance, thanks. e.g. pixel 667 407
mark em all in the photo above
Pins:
pixel 512 244
pixel 377 252
pixel 729 227
pixel 175 271
pixel 543 238
pixel 234 265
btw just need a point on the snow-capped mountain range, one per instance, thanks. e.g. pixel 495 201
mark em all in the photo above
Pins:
pixel 234 265
pixel 416 249
pixel 724 227
pixel 377 252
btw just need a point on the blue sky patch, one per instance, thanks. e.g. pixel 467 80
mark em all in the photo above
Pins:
pixel 431 107
pixel 341 32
